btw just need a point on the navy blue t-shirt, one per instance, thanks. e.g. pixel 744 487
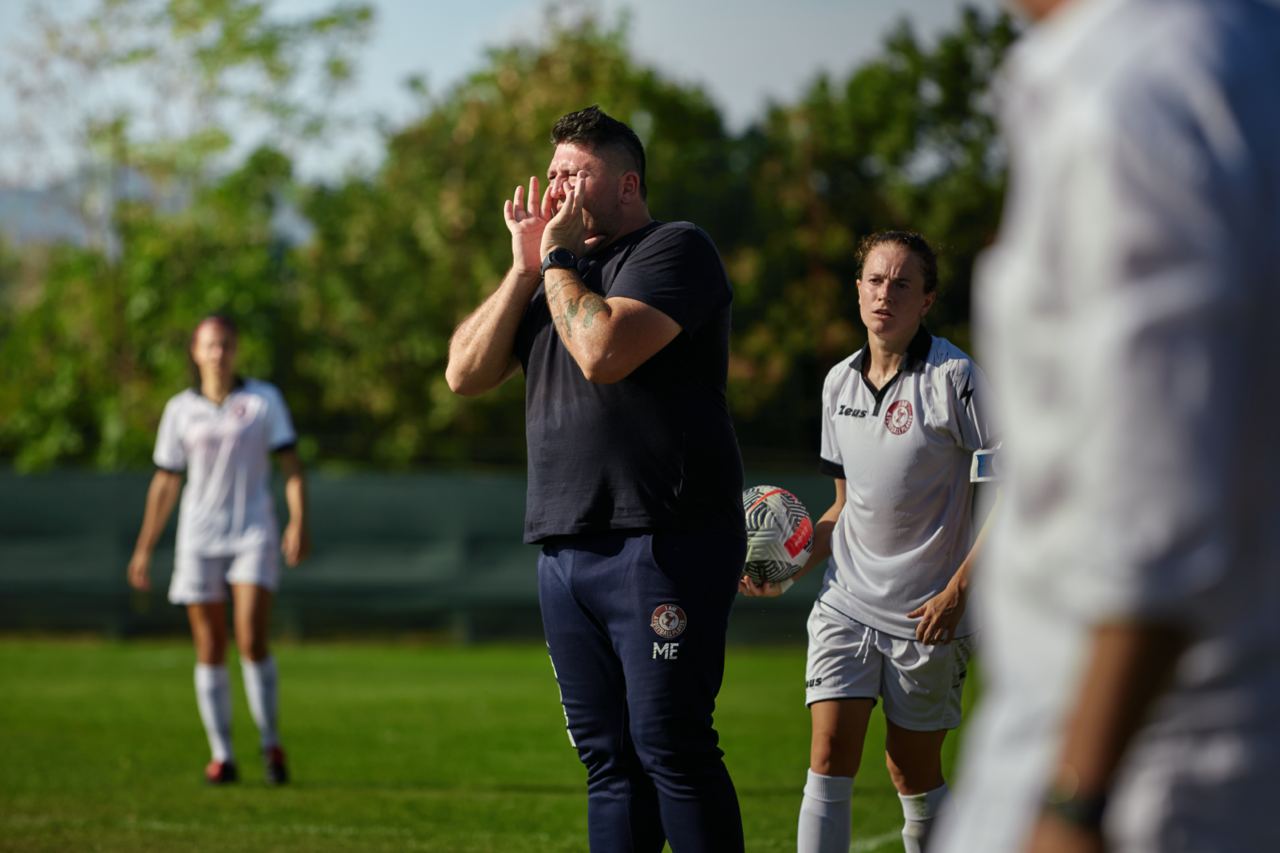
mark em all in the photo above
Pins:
pixel 656 451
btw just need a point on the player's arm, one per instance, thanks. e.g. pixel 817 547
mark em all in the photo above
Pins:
pixel 823 529
pixel 1163 473
pixel 960 580
pixel 162 495
pixel 608 338
pixel 817 556
pixel 940 615
pixel 482 349
pixel 295 544
pixel 1129 665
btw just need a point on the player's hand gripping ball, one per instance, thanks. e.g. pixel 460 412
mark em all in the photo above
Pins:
pixel 779 534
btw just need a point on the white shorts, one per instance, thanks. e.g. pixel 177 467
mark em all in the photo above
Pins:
pixel 921 684
pixel 198 579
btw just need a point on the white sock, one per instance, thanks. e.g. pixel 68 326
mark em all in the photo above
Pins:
pixel 825 815
pixel 919 811
pixel 213 698
pixel 260 690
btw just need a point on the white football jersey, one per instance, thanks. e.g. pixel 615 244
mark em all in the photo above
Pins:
pixel 225 452
pixel 1128 313
pixel 904 452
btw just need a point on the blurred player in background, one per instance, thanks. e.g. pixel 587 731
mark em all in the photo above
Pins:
pixel 1131 611
pixel 621 324
pixel 902 418
pixel 221 434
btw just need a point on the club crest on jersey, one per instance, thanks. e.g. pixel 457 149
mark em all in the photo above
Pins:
pixel 899 417
pixel 668 621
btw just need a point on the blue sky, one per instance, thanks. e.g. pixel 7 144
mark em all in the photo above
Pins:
pixel 743 52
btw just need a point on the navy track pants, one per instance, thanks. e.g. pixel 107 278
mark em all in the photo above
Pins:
pixel 635 624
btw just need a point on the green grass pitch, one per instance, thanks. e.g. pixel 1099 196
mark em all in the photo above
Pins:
pixel 392 746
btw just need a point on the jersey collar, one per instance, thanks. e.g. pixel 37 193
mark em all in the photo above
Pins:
pixel 917 353
pixel 918 350
pixel 237 383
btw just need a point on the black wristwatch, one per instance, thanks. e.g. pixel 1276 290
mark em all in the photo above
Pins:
pixel 1083 811
pixel 559 259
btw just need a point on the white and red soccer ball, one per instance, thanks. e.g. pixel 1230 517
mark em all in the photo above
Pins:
pixel 779 534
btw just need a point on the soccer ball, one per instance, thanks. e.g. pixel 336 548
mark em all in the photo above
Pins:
pixel 779 534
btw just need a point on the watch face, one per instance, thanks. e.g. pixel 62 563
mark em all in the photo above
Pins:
pixel 559 258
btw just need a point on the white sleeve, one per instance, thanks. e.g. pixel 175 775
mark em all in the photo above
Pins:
pixel 971 407
pixel 279 425
pixel 831 462
pixel 1152 244
pixel 170 453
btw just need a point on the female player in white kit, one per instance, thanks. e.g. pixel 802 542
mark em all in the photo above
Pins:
pixel 222 433
pixel 902 418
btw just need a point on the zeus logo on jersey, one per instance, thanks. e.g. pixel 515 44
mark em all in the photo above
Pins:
pixel 851 412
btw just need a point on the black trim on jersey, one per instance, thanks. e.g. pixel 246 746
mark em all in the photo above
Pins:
pixel 917 355
pixel 831 469
pixel 879 393
pixel 237 382
pixel 918 350
pixel 288 445
pixel 171 470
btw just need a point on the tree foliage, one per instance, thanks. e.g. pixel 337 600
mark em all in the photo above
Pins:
pixel 96 349
pixel 401 259
pixel 99 334
pixel 167 86
pixel 905 142
pixel 353 322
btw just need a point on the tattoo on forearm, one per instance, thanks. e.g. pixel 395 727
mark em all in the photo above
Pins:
pixel 592 305
pixel 566 318
pixel 587 305
pixel 553 289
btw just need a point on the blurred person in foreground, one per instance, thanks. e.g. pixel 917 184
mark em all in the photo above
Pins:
pixel 221 434
pixel 1131 608
pixel 621 324
pixel 901 419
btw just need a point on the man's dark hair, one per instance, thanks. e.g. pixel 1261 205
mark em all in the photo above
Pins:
pixel 594 129
pixel 915 243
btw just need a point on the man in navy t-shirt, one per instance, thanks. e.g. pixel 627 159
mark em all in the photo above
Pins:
pixel 621 324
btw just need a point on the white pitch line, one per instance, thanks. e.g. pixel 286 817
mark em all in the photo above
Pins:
pixel 866 845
